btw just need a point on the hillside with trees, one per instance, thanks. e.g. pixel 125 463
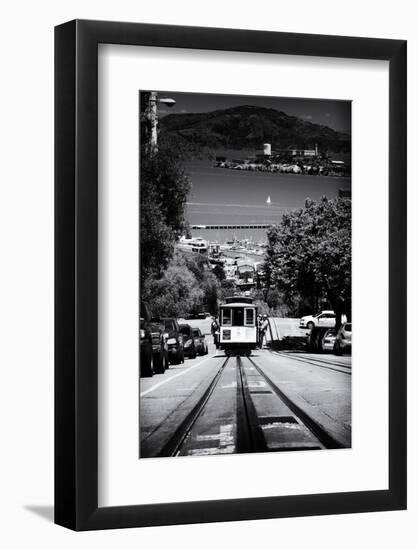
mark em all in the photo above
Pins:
pixel 249 126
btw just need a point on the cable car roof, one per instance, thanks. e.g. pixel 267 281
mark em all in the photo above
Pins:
pixel 237 304
pixel 240 299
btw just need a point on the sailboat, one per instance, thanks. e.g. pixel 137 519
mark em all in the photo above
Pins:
pixel 268 200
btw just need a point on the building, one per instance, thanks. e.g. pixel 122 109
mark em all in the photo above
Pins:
pixel 195 244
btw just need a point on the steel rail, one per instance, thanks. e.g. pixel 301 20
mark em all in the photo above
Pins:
pixel 319 363
pixel 173 446
pixel 327 440
pixel 250 437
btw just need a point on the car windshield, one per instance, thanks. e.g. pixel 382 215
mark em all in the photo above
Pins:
pixel 169 324
pixel 144 313
pixel 185 330
pixel 325 312
pixel 196 332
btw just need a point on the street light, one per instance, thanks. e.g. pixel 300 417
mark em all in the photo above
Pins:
pixel 168 101
pixel 151 112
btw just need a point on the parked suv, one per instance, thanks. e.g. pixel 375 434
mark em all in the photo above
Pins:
pixel 199 341
pixel 173 338
pixel 153 346
pixel 146 358
pixel 189 344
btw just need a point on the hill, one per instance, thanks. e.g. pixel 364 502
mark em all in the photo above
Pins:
pixel 248 127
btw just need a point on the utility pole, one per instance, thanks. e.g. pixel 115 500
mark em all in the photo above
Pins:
pixel 153 119
pixel 149 119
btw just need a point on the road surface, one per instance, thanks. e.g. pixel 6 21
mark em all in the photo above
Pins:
pixel 270 401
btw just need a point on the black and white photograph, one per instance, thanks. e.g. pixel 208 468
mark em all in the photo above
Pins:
pixel 200 200
pixel 245 274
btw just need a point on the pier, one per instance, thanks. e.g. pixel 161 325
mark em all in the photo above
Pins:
pixel 234 226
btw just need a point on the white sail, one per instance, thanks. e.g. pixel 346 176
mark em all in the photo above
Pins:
pixel 268 200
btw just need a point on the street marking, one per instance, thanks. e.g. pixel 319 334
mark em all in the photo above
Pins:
pixel 159 384
pixel 231 385
pixel 225 440
pixel 258 384
pixel 212 451
pixel 280 425
pixel 225 435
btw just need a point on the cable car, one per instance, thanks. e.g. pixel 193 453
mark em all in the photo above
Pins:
pixel 238 320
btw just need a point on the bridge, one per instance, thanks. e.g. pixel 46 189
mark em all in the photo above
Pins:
pixel 234 226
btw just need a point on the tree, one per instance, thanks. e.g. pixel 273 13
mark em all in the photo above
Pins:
pixel 211 290
pixel 174 283
pixel 186 286
pixel 164 187
pixel 228 288
pixel 309 255
pixel 199 265
pixel 218 271
pixel 176 292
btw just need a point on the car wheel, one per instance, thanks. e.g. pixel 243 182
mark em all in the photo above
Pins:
pixel 159 363
pixel 146 369
pixel 310 325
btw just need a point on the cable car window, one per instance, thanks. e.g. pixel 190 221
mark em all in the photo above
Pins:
pixel 250 317
pixel 227 316
pixel 238 319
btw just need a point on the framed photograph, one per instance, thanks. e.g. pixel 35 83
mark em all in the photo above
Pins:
pixel 229 205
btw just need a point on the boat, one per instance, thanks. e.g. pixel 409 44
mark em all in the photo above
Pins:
pixel 195 244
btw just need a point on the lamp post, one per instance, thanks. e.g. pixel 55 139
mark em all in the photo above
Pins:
pixel 151 117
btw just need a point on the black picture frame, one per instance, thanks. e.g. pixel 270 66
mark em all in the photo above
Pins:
pixel 76 272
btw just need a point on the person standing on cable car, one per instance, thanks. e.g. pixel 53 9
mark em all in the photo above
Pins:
pixel 215 331
pixel 262 330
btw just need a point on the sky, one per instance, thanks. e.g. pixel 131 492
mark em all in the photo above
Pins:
pixel 335 114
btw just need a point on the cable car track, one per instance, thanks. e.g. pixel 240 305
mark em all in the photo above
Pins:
pixel 175 443
pixel 311 425
pixel 319 363
pixel 253 430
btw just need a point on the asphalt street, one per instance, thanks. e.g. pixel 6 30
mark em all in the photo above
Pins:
pixel 270 401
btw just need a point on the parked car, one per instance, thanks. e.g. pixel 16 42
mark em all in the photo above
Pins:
pixel 198 315
pixel 153 346
pixel 159 349
pixel 146 359
pixel 173 338
pixel 200 342
pixel 329 339
pixel 188 339
pixel 343 341
pixel 325 319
